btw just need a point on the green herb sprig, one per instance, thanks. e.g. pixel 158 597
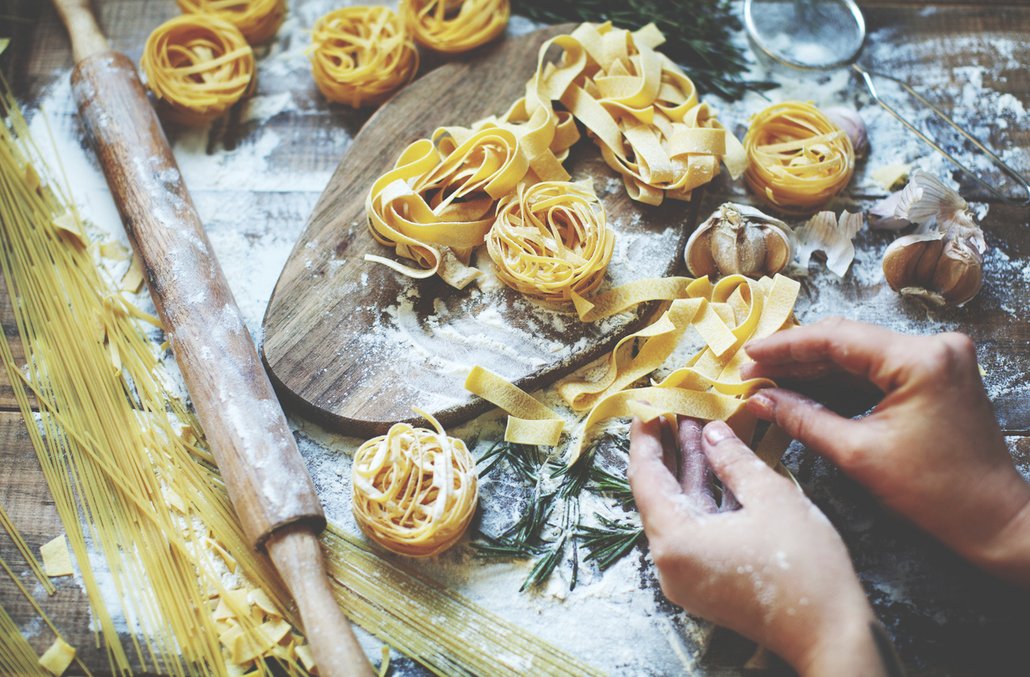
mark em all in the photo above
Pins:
pixel 698 34
pixel 608 543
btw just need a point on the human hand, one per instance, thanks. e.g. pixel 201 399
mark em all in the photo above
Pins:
pixel 931 449
pixel 774 570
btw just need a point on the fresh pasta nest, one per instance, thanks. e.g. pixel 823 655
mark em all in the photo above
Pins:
pixel 551 240
pixel 797 159
pixel 258 20
pixel 361 55
pixel 199 66
pixel 414 489
pixel 453 26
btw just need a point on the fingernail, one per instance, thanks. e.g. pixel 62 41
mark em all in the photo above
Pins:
pixel 717 431
pixel 761 405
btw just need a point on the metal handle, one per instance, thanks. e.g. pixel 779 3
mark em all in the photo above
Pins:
pixel 867 77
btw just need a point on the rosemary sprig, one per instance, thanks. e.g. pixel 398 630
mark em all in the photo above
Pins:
pixel 553 556
pixel 612 486
pixel 522 458
pixel 606 544
pixel 698 34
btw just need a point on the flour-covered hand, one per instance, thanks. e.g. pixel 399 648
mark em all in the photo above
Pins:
pixel 931 449
pixel 773 569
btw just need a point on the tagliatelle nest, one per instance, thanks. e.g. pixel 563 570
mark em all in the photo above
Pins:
pixel 362 55
pixel 551 240
pixel 414 489
pixel 453 26
pixel 797 159
pixel 199 66
pixel 258 20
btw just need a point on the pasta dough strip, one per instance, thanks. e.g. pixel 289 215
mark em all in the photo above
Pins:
pixel 708 386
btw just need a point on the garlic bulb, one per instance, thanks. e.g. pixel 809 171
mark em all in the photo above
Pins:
pixel 939 269
pixel 739 239
pixel 942 262
pixel 851 122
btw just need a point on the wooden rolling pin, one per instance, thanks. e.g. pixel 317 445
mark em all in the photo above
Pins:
pixel 244 423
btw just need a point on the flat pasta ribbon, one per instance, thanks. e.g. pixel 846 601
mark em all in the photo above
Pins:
pixel 551 240
pixel 732 312
pixel 199 66
pixel 258 20
pixel 529 421
pixel 414 489
pixel 361 55
pixel 644 114
pixel 797 159
pixel 453 26
pixel 725 315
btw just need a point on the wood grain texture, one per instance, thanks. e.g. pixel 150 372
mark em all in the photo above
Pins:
pixel 336 344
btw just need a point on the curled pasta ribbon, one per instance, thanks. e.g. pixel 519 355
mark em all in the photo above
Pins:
pixel 797 159
pixel 361 55
pixel 258 20
pixel 725 316
pixel 550 240
pixel 199 66
pixel 644 114
pixel 453 26
pixel 414 489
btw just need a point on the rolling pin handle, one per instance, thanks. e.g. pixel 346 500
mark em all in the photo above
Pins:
pixel 86 37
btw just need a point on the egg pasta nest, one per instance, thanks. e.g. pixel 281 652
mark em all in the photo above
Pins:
pixel 797 159
pixel 258 20
pixel 199 66
pixel 550 240
pixel 361 55
pixel 414 489
pixel 453 26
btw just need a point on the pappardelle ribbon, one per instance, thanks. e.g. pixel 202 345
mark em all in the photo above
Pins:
pixel 725 316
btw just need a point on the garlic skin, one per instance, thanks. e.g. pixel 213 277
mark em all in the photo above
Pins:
pixel 852 124
pixel 738 239
pixel 942 262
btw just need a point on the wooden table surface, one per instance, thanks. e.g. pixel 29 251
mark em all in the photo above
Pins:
pixel 947 618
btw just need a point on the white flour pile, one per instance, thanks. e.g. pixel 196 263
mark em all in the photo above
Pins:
pixel 254 213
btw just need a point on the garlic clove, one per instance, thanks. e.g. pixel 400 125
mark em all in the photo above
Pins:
pixel 739 239
pixel 698 253
pixel 852 124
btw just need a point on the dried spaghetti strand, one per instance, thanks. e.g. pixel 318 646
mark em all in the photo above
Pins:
pixel 453 26
pixel 26 552
pixel 414 489
pixel 551 240
pixel 361 55
pixel 198 66
pixel 797 159
pixel 17 657
pixel 258 20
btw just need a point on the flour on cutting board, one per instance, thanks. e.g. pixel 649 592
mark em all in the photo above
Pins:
pixel 254 211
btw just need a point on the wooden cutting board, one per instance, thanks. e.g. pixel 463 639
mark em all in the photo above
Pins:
pixel 355 345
